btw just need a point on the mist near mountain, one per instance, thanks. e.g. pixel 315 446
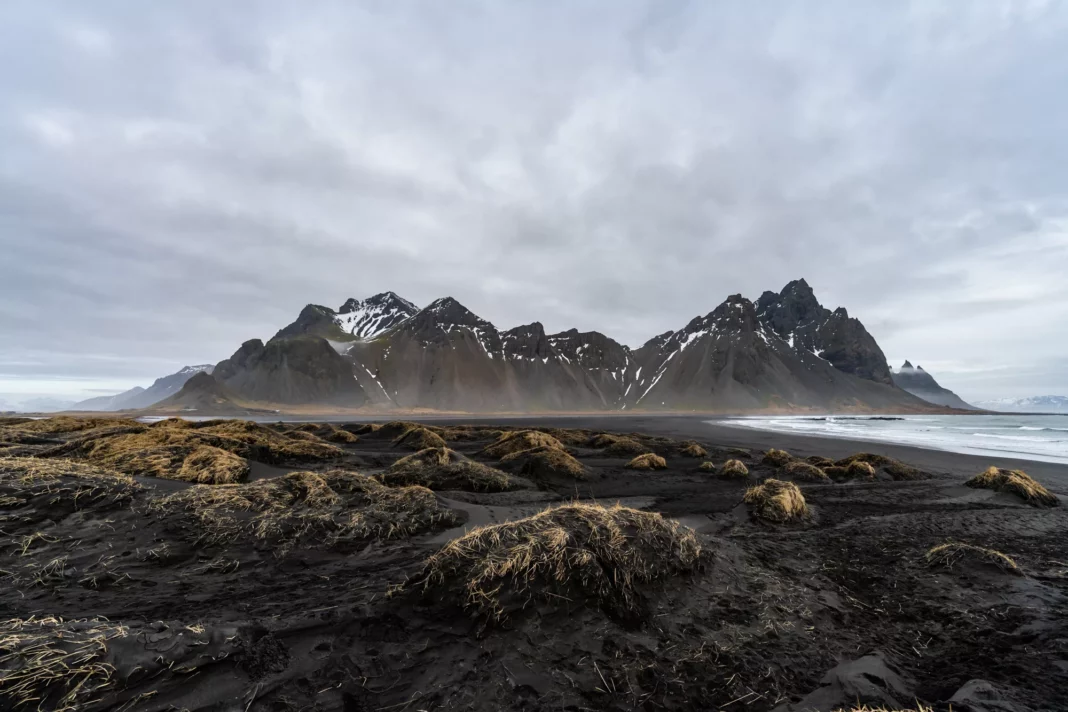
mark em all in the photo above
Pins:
pixel 923 385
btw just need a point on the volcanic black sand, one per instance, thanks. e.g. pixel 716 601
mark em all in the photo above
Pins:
pixel 315 594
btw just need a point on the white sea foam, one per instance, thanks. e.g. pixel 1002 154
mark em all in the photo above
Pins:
pixel 1028 437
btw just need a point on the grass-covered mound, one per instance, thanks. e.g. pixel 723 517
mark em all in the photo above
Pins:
pixel 856 470
pixel 332 508
pixel 896 469
pixel 328 432
pixel 707 466
pixel 951 553
pixel 777 458
pixel 54 486
pixel 519 440
pixel 466 433
pixel 443 469
pixel 819 461
pixel 393 429
pixel 733 469
pixel 618 445
pixel 418 438
pixel 692 449
pixel 62 424
pixel 1014 482
pixel 541 463
pixel 572 437
pixel 212 453
pixel 776 501
pixel 572 555
pixel 648 461
pixel 800 470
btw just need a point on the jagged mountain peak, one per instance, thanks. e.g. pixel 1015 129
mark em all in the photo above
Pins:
pixel 906 365
pixel 449 311
pixel 528 341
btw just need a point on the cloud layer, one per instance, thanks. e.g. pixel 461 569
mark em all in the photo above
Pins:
pixel 175 179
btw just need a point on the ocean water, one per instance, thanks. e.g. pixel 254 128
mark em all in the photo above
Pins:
pixel 1029 437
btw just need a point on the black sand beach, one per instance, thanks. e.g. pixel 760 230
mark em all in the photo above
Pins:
pixel 311 591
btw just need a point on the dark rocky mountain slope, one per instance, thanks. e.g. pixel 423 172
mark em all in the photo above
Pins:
pixel 796 316
pixel 292 371
pixel 923 385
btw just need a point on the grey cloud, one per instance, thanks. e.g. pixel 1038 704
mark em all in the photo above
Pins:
pixel 178 178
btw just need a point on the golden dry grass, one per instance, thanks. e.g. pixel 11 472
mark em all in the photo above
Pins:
pixel 953 552
pixel 519 440
pixel 648 461
pixel 443 469
pixel 162 449
pixel 543 462
pixel 1014 482
pixel 210 465
pixel 800 470
pixel 314 507
pixel 572 555
pixel 66 424
pixel 418 438
pixel 466 433
pixel 326 431
pixel 617 445
pixel 776 501
pixel 395 428
pixel 896 469
pixel 734 469
pixel 777 458
pixel 52 664
pixel 866 708
pixel 368 428
pixel 820 461
pixel 707 466
pixel 62 484
pixel 692 449
pixel 855 470
pixel 568 436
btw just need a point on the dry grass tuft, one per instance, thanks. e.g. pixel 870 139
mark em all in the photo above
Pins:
pixel 62 485
pixel 329 508
pixel 575 554
pixel 866 708
pixel 1017 483
pixel 856 470
pixel 467 433
pixel 800 470
pixel 162 450
pixel 443 469
pixel 648 461
pixel 418 438
pixel 49 663
pixel 951 553
pixel 541 463
pixel 395 428
pixel 368 429
pixel 734 469
pixel 707 466
pixel 777 501
pixel 777 458
pixel 692 449
pixel 326 431
pixel 61 424
pixel 894 468
pixel 212 466
pixel 618 445
pixel 519 440
pixel 568 436
pixel 820 461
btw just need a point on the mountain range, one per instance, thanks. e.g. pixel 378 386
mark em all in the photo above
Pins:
pixel 1033 404
pixel 923 385
pixel 139 397
pixel 783 352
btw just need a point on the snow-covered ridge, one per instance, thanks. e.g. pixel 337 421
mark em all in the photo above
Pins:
pixel 368 318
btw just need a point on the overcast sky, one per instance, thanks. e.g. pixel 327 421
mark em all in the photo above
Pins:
pixel 177 177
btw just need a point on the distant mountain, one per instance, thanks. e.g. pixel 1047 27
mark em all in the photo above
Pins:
pixel 785 352
pixel 291 371
pixel 1034 404
pixel 138 397
pixel 43 404
pixel 923 385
